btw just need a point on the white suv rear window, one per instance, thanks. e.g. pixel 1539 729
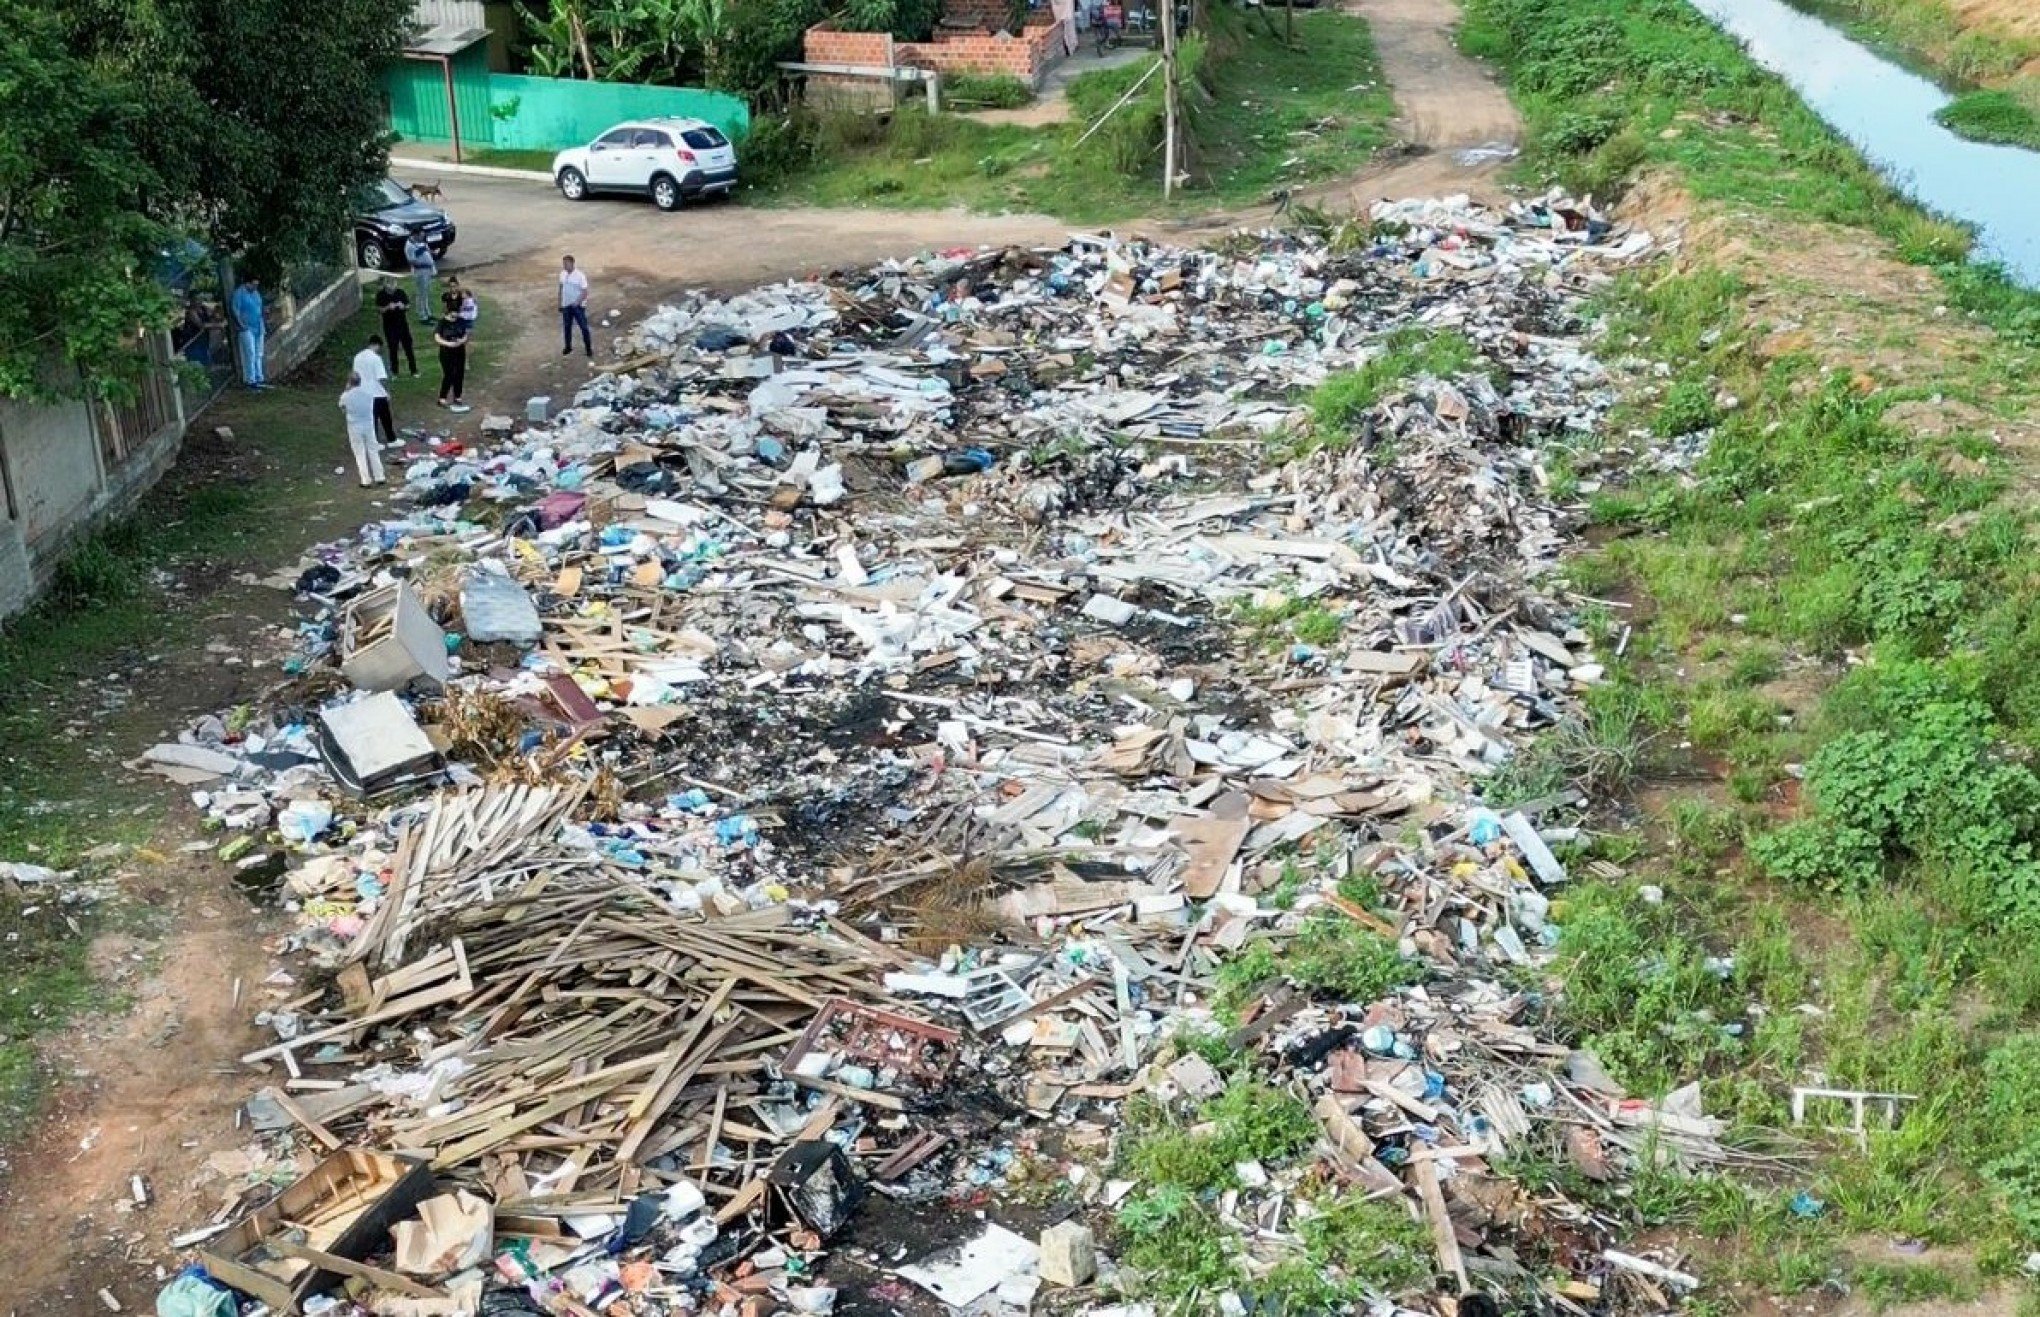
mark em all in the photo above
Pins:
pixel 704 139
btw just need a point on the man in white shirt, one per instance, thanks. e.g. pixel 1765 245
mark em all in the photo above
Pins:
pixel 573 308
pixel 358 405
pixel 375 377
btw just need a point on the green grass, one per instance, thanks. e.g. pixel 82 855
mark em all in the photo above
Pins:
pixel 537 161
pixel 1992 116
pixel 106 610
pixel 1896 888
pixel 969 91
pixel 48 982
pixel 1268 115
pixel 1341 403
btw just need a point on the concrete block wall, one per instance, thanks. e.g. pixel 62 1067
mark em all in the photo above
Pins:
pixel 18 583
pixel 295 335
pixel 54 455
pixel 29 550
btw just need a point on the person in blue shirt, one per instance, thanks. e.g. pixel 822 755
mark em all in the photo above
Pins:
pixel 246 304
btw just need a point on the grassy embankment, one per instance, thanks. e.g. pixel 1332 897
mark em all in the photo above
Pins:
pixel 2001 100
pixel 1263 114
pixel 1829 708
pixel 115 610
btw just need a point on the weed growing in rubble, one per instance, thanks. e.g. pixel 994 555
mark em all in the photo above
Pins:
pixel 1330 956
pixel 1275 620
pixel 1374 1246
pixel 1248 1121
pixel 1167 1235
pixel 1600 751
pixel 1174 1246
pixel 1339 404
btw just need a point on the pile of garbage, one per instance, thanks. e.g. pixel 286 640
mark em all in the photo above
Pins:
pixel 892 730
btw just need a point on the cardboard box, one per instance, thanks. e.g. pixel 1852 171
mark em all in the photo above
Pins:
pixel 407 646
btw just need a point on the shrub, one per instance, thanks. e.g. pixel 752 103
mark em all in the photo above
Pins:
pixel 1991 116
pixel 777 148
pixel 1917 775
pixel 977 91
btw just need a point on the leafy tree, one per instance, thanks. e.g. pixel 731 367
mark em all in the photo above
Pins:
pixel 126 125
pixel 294 124
pixel 729 45
pixel 76 235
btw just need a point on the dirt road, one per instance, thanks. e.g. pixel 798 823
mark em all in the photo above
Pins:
pixel 153 1091
pixel 1444 101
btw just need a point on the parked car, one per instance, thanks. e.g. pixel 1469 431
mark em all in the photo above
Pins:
pixel 387 217
pixel 672 161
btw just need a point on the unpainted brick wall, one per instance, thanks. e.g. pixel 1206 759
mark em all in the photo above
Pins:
pixel 826 44
pixel 1023 57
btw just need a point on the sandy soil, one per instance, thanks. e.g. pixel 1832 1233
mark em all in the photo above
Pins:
pixel 2016 18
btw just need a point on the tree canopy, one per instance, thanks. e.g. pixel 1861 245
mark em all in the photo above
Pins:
pixel 129 126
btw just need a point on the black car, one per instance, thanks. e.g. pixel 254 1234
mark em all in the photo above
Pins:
pixel 387 217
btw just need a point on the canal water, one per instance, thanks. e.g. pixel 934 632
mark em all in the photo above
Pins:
pixel 1887 112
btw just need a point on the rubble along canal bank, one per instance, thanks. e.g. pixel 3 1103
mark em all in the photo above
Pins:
pixel 927 734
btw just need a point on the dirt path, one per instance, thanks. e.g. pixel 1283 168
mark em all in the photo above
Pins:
pixel 1444 101
pixel 144 1094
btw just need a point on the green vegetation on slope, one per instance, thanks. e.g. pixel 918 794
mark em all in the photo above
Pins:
pixel 1262 114
pixel 1930 32
pixel 1875 922
pixel 1999 103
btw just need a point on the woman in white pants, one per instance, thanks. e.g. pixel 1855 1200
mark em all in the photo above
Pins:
pixel 358 404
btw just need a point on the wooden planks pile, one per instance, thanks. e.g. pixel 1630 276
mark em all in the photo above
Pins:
pixel 549 1029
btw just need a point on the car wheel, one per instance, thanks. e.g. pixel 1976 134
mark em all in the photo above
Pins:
pixel 369 251
pixel 665 193
pixel 573 185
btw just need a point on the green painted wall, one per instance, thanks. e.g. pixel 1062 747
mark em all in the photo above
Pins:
pixel 514 113
pixel 416 90
pixel 551 113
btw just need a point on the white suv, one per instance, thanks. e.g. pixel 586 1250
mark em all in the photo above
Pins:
pixel 672 160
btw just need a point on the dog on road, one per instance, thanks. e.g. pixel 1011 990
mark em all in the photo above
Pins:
pixel 428 191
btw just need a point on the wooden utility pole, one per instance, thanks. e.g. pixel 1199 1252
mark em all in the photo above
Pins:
pixel 1289 22
pixel 1171 100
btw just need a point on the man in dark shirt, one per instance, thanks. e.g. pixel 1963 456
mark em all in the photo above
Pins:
pixel 395 305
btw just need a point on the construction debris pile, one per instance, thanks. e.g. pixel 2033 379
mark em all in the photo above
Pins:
pixel 883 736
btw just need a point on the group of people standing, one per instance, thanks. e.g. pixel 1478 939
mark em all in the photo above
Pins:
pixel 366 402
